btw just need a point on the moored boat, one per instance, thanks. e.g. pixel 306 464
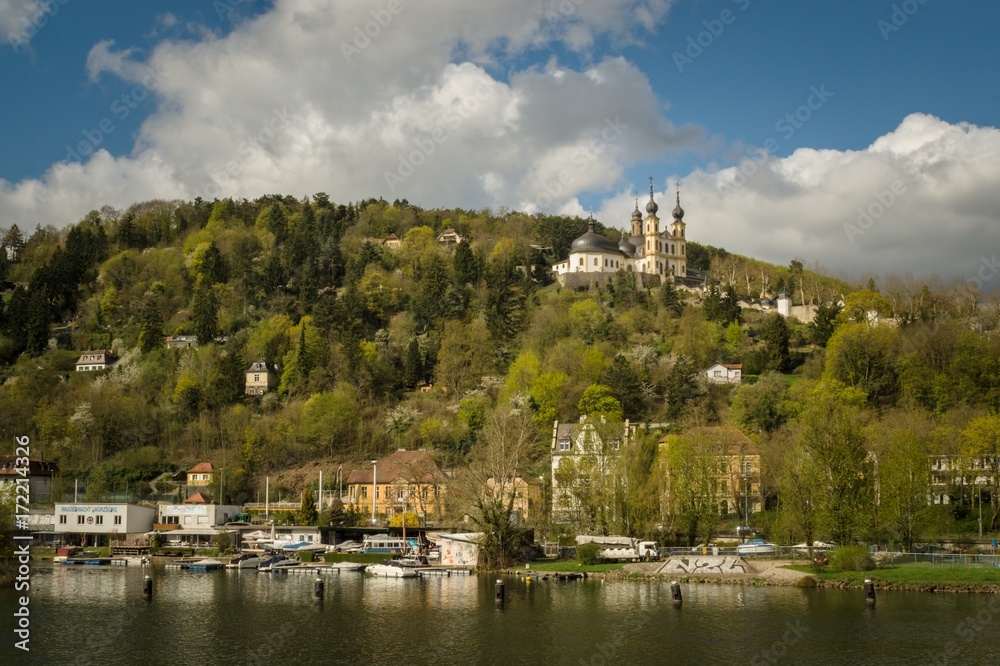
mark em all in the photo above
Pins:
pixel 391 569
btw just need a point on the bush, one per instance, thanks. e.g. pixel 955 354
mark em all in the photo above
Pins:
pixel 851 558
pixel 588 553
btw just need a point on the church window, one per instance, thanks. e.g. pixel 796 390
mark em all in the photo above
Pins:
pixel 671 248
pixel 596 260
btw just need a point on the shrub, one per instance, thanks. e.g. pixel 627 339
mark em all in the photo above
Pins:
pixel 851 558
pixel 588 553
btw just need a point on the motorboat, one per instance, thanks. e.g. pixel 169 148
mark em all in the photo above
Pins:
pixel 245 561
pixel 347 566
pixel 391 569
pixel 756 547
pixel 278 563
pixel 818 547
pixel 207 564
pixel 267 563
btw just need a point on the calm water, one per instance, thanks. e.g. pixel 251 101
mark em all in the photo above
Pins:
pixel 98 615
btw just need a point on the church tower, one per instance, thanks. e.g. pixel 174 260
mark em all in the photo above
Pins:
pixel 678 242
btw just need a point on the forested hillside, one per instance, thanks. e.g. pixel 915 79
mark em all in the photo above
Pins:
pixel 906 367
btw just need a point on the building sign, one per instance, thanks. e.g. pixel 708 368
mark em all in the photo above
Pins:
pixel 88 508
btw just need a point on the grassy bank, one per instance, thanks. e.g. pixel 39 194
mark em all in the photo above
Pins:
pixel 360 558
pixel 572 566
pixel 912 574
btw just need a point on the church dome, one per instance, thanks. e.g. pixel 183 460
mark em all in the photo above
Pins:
pixel 626 246
pixel 651 207
pixel 678 211
pixel 636 214
pixel 594 242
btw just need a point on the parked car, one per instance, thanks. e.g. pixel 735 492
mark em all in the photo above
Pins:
pixel 704 548
pixel 756 547
pixel 745 530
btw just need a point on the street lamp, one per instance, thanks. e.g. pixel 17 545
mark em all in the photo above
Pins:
pixel 374 488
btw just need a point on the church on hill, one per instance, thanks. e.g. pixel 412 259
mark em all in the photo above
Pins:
pixel 654 254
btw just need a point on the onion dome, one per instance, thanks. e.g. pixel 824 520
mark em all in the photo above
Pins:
pixel 625 245
pixel 594 242
pixel 636 214
pixel 678 211
pixel 651 207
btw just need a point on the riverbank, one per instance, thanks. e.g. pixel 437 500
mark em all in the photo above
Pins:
pixel 789 573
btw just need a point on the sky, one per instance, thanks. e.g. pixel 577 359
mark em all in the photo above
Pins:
pixel 858 135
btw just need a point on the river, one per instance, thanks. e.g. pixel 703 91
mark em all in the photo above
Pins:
pixel 97 615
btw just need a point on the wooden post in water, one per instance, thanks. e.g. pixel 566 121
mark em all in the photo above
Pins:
pixel 147 588
pixel 498 593
pixel 869 592
pixel 675 593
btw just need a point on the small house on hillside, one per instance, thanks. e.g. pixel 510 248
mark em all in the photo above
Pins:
pixel 402 482
pixel 201 475
pixel 449 237
pixel 261 378
pixel 725 373
pixel 94 360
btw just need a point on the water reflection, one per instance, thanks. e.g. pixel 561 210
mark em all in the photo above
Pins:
pixel 98 615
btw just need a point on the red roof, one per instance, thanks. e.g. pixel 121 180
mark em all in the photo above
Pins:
pixel 197 498
pixel 410 466
pixel 201 468
pixel 36 467
pixel 96 356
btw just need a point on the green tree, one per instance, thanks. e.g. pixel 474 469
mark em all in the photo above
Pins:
pixel 864 357
pixel 150 325
pixel 307 512
pixel 598 402
pixel 205 308
pixel 775 336
pixel 670 299
pixel 981 442
pixel 464 265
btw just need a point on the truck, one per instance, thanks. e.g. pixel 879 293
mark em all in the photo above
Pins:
pixel 621 548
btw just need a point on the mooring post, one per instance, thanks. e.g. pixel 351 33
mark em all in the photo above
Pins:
pixel 499 592
pixel 147 587
pixel 869 592
pixel 675 593
pixel 318 588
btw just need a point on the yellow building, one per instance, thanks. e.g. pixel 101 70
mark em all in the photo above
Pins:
pixel 402 482
pixel 719 465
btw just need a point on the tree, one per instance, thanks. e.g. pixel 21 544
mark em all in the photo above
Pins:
pixel 800 489
pixel 692 485
pixel 760 406
pixel 464 265
pixel 13 242
pixel 205 311
pixel 904 477
pixel 150 325
pixel 833 436
pixel 775 336
pixel 864 357
pixel 824 324
pixel 598 402
pixel 490 488
pixel 307 512
pixel 981 442
pixel 670 299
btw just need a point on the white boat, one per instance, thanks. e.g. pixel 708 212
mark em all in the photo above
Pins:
pixel 390 570
pixel 756 547
pixel 245 561
pixel 282 565
pixel 346 566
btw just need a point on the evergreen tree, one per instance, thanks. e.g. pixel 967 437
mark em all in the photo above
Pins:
pixel 413 370
pixel 464 265
pixel 37 324
pixel 13 242
pixel 150 325
pixel 670 299
pixel 206 311
pixel 680 387
pixel 775 336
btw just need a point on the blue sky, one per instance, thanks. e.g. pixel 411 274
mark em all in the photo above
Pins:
pixel 915 79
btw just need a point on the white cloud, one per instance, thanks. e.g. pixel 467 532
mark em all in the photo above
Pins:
pixel 427 104
pixel 393 99
pixel 840 208
pixel 18 20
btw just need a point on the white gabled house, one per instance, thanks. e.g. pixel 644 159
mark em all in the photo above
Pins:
pixel 725 373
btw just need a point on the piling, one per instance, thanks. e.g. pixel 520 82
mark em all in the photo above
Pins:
pixel 147 587
pixel 498 593
pixel 869 592
pixel 318 588
pixel 675 593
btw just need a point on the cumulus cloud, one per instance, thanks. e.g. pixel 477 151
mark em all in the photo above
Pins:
pixel 427 102
pixel 18 20
pixel 400 100
pixel 921 199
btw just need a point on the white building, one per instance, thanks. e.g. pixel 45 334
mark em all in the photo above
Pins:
pixel 725 373
pixel 648 250
pixel 94 519
pixel 94 360
pixel 195 515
